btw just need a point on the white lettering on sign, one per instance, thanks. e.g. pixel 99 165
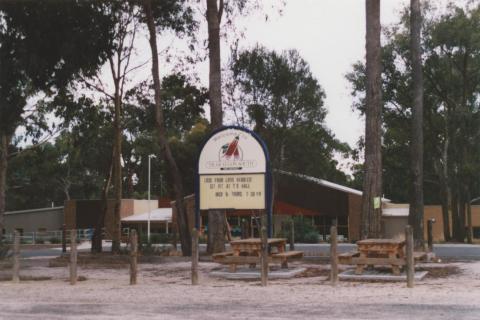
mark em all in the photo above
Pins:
pixel 232 151
pixel 232 191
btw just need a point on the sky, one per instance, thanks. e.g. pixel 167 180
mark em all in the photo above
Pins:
pixel 330 36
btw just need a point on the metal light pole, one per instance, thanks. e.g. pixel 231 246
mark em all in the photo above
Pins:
pixel 149 210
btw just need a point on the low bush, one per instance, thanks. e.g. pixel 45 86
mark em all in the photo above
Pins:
pixel 304 230
pixel 54 240
pixel 5 251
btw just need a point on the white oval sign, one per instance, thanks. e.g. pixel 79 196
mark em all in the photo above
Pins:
pixel 232 151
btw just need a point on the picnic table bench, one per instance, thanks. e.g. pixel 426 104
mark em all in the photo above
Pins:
pixel 378 252
pixel 248 251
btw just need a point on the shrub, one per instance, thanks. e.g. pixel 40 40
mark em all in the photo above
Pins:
pixel 5 251
pixel 311 237
pixel 54 240
pixel 39 241
pixel 304 230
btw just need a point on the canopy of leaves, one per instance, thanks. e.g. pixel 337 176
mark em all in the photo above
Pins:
pixel 278 95
pixel 451 54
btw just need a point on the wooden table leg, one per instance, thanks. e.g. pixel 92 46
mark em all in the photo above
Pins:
pixel 359 267
pixel 395 268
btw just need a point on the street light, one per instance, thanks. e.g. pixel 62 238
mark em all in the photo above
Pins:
pixel 149 210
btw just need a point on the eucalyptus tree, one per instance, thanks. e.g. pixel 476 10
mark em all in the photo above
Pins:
pixel 415 216
pixel 277 95
pixel 372 181
pixel 450 52
pixel 39 52
pixel 160 16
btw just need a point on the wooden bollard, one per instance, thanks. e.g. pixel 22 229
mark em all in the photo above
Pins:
pixel 333 256
pixel 133 256
pixel 64 238
pixel 410 263
pixel 264 255
pixel 292 235
pixel 73 257
pixel 194 257
pixel 16 257
pixel 430 234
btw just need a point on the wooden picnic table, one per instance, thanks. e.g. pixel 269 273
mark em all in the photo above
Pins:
pixel 248 251
pixel 380 252
pixel 253 246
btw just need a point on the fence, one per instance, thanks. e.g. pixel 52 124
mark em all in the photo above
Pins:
pixel 52 237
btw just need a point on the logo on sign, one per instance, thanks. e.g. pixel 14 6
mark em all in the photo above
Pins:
pixel 230 157
pixel 231 150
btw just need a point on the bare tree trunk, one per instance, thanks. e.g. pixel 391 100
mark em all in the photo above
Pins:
pixel 4 141
pixel 445 212
pixel 182 219
pixel 457 234
pixel 461 215
pixel 415 217
pixel 372 184
pixel 469 217
pixel 214 17
pixel 117 166
pixel 97 233
pixel 216 231
pixel 216 218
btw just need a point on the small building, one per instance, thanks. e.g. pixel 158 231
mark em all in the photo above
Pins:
pixel 319 201
pixel 34 220
pixel 83 214
pixel 395 218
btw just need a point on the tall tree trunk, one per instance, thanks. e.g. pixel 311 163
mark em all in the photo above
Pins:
pixel 216 218
pixel 461 215
pixel 455 215
pixel 372 184
pixel 415 217
pixel 117 168
pixel 4 141
pixel 469 217
pixel 97 233
pixel 214 17
pixel 182 218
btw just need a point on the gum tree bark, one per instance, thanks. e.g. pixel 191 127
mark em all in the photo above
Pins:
pixel 4 141
pixel 216 218
pixel 415 217
pixel 182 219
pixel 372 184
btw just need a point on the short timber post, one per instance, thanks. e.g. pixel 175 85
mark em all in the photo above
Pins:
pixel 430 234
pixel 333 256
pixel 264 251
pixel 16 257
pixel 195 256
pixel 292 235
pixel 133 256
pixel 73 257
pixel 410 263
pixel 64 238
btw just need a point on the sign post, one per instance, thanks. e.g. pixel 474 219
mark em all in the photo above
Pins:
pixel 233 172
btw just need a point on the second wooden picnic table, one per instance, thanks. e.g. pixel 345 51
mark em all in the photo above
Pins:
pixel 380 251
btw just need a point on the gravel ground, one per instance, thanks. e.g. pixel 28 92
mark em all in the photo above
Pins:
pixel 164 292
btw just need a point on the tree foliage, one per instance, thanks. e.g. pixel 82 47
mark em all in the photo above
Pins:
pixel 451 60
pixel 277 94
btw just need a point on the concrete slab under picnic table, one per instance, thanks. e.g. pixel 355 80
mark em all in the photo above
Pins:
pixel 377 275
pixel 247 273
